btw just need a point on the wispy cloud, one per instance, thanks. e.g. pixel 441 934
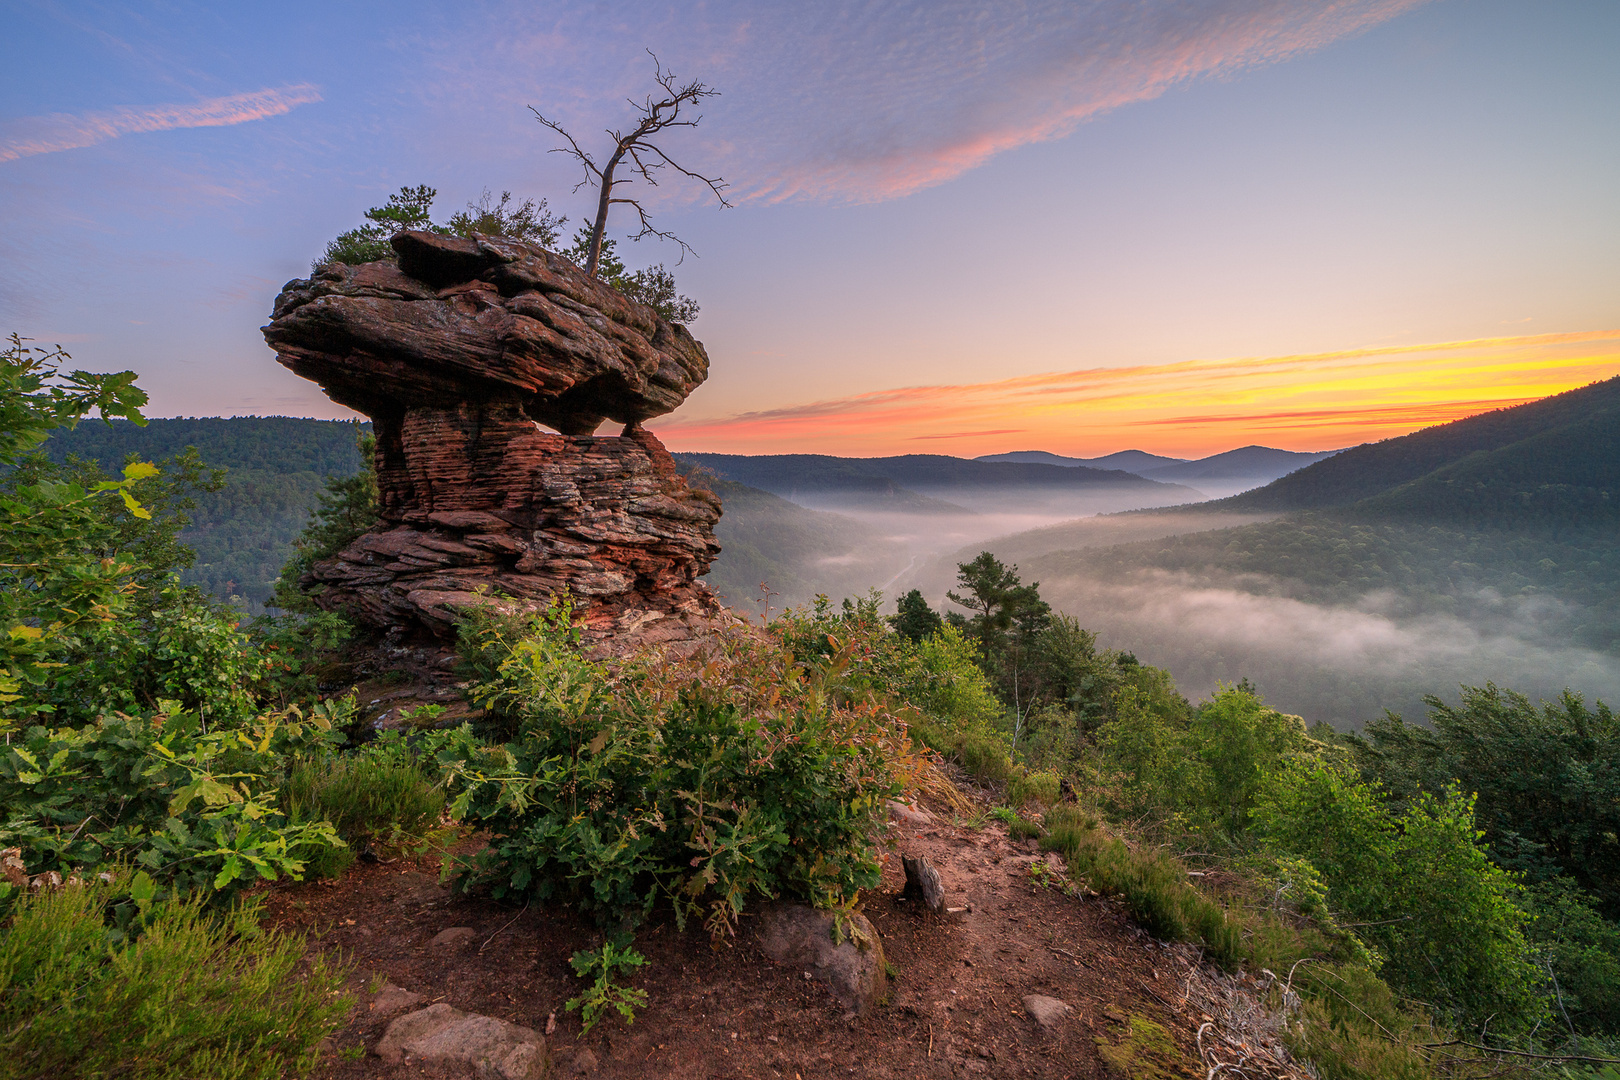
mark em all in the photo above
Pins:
pixel 63 131
pixel 893 98
pixel 859 101
pixel 1306 401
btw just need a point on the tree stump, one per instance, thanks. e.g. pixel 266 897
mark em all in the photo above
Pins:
pixel 922 883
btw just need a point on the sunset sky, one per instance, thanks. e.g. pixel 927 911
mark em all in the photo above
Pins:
pixel 1176 225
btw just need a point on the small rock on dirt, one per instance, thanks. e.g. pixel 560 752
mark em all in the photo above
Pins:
pixel 914 817
pixel 391 999
pixel 796 934
pixel 1048 1012
pixel 454 936
pixel 441 1035
pixel 584 1063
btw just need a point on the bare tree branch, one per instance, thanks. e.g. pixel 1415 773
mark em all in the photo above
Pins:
pixel 645 158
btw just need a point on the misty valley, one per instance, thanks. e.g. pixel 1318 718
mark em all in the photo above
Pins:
pixel 1340 585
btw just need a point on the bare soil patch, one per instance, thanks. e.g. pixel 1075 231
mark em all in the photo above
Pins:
pixel 956 999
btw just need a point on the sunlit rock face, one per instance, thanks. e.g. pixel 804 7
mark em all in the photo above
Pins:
pixel 458 354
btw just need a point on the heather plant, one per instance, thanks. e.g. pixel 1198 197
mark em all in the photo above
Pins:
pixel 707 783
pixel 936 682
pixel 379 798
pixel 103 978
pixel 1034 789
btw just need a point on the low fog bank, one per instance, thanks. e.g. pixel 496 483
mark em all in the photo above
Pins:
pixel 1341 664
pixel 856 549
pixel 1025 507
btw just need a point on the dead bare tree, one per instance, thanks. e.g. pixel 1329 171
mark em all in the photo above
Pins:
pixel 646 159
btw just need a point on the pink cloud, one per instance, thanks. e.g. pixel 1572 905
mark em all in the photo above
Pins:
pixel 1320 399
pixel 62 131
pixel 891 100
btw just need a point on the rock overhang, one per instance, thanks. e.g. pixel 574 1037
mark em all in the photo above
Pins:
pixel 458 352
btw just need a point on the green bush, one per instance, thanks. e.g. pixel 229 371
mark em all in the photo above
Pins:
pixel 1582 952
pixel 1352 1027
pixel 185 649
pixel 984 755
pixel 709 782
pixel 1037 788
pixel 194 810
pixel 1023 829
pixel 378 798
pixel 1202 771
pixel 1423 892
pixel 1547 778
pixel 189 993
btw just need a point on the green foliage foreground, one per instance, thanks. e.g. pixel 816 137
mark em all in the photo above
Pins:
pixel 709 782
pixel 1453 879
pixel 182 992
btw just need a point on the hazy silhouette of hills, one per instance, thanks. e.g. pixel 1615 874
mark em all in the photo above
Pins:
pixel 897 477
pixel 1244 463
pixel 765 539
pixel 1234 470
pixel 1134 461
pixel 801 476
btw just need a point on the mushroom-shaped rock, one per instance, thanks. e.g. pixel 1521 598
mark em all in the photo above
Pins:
pixel 459 350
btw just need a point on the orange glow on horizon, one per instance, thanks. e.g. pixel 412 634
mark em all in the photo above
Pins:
pixel 1317 401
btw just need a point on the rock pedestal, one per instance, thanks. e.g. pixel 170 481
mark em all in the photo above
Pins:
pixel 459 352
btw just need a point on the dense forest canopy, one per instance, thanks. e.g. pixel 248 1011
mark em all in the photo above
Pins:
pixel 243 531
pixel 1374 468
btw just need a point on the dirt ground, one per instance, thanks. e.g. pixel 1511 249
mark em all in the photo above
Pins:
pixel 955 1006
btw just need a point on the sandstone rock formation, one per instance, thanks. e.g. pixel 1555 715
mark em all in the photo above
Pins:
pixel 458 354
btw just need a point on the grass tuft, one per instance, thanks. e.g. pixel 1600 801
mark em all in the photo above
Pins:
pixel 190 992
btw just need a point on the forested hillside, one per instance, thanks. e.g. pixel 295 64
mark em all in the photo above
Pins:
pixel 1562 480
pixel 274 469
pixel 1374 468
pixel 766 540
pixel 1482 549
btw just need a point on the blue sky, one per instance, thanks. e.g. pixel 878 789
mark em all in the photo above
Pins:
pixel 928 195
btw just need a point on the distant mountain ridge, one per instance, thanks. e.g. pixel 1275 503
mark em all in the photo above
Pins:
pixel 1252 463
pixel 938 484
pixel 1134 461
pixel 1548 457
pixel 1246 462
pixel 807 472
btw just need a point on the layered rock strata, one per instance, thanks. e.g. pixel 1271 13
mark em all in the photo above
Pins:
pixel 458 353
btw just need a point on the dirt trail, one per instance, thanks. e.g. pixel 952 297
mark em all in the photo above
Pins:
pixel 955 1008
